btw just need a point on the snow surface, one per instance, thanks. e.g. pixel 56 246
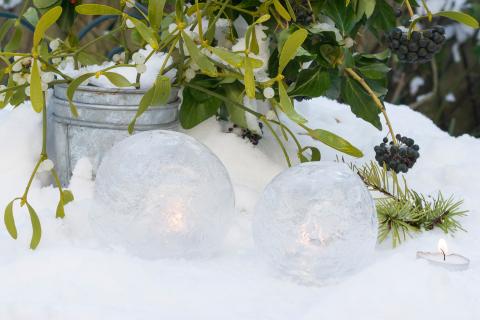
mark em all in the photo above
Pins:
pixel 73 276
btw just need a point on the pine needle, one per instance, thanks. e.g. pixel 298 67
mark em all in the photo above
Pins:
pixel 402 211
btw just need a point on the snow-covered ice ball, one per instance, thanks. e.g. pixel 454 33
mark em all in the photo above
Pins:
pixel 163 194
pixel 316 222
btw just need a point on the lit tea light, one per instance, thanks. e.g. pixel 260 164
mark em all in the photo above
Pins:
pixel 451 261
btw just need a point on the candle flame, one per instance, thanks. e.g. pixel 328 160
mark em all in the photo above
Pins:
pixel 442 246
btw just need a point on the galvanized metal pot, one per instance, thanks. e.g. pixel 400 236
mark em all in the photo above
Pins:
pixel 104 115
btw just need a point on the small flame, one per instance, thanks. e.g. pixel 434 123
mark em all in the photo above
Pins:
pixel 442 246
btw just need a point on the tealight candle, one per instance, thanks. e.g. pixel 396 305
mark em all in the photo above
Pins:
pixel 451 261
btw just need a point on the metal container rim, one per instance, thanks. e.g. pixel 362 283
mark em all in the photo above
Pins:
pixel 106 90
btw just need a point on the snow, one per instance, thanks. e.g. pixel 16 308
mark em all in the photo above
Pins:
pixel 74 276
pixel 153 66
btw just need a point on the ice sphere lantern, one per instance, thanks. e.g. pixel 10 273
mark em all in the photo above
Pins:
pixel 316 222
pixel 162 194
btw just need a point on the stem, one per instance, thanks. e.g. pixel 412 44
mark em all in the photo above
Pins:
pixel 97 39
pixel 25 194
pixel 284 150
pixel 409 8
pixel 253 14
pixel 66 77
pixel 44 132
pixel 375 99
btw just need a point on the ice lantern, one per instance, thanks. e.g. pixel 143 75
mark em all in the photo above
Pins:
pixel 316 222
pixel 162 194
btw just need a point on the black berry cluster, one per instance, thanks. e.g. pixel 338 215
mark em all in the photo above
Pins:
pixel 302 12
pixel 397 157
pixel 420 47
pixel 251 136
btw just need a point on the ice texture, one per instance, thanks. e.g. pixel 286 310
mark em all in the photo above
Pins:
pixel 316 222
pixel 163 194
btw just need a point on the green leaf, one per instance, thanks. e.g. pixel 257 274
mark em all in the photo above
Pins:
pixel 147 33
pixel 234 92
pixel 315 154
pixel 281 10
pixel 117 79
pixel 97 9
pixel 249 79
pixel 45 22
pixel 36 92
pixel 5 28
pixel 231 58
pixel 43 4
pixel 36 227
pixel 15 40
pixel 290 48
pixel 72 87
pixel 201 60
pixel 31 16
pixel 460 17
pixel 334 141
pixel 287 106
pixel 374 70
pixel 67 196
pixel 10 221
pixel 360 102
pixel 60 213
pixel 157 95
pixel 155 12
pixel 311 83
pixel 194 111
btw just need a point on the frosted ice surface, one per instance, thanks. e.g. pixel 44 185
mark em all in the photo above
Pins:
pixel 316 222
pixel 163 194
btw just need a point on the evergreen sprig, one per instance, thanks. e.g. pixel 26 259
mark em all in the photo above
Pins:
pixel 402 211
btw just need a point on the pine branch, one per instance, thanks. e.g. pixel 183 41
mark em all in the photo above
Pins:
pixel 403 211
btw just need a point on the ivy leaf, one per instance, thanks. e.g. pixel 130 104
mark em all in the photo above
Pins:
pixel 374 70
pixel 157 95
pixel 287 106
pixel 36 92
pixel 45 22
pixel 10 221
pixel 97 9
pixel 383 17
pixel 360 102
pixel 72 87
pixel 201 60
pixel 311 83
pixel 36 227
pixel 117 79
pixel 290 48
pixel 460 17
pixel 334 141
pixel 193 111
